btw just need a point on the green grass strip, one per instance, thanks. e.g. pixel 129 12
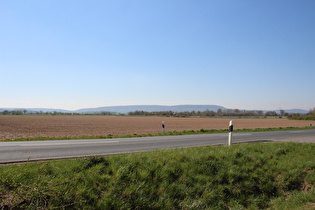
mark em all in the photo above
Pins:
pixel 170 133
pixel 244 176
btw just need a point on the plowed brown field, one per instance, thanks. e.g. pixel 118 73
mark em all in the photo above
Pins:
pixel 76 126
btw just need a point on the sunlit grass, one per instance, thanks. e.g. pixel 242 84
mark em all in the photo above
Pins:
pixel 275 175
pixel 170 133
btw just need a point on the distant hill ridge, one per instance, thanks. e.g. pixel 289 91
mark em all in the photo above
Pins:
pixel 153 108
pixel 147 108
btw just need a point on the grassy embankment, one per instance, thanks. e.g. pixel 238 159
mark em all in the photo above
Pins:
pixel 170 133
pixel 276 176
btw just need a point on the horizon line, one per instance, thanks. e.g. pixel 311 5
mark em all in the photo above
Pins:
pixel 18 108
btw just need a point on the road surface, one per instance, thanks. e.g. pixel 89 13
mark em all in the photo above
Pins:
pixel 12 152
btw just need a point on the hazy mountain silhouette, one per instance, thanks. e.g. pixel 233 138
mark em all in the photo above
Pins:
pixel 147 108
pixel 152 108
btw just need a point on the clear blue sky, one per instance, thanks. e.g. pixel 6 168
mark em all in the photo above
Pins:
pixel 71 54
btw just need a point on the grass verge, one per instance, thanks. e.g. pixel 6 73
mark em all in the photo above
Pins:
pixel 170 133
pixel 244 176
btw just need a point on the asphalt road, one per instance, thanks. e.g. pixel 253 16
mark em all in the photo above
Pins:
pixel 12 152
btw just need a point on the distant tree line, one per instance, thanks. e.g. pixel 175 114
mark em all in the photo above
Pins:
pixel 25 112
pixel 208 113
pixel 229 113
pixel 309 116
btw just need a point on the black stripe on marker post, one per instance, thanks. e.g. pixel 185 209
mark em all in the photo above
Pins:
pixel 230 133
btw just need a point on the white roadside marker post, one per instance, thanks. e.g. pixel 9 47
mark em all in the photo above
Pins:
pixel 230 132
pixel 163 127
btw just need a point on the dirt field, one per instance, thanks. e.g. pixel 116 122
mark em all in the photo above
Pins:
pixel 75 126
